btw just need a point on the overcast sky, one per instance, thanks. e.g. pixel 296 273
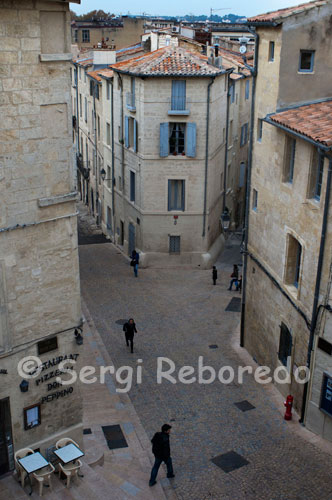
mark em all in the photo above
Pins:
pixel 174 7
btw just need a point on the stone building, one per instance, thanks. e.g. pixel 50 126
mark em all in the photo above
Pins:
pixel 285 284
pixel 39 275
pixel 112 33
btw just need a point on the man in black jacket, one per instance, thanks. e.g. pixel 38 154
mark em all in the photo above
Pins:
pixel 130 328
pixel 162 453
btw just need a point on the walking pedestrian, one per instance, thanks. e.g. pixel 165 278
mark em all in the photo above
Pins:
pixel 239 284
pixel 234 276
pixel 130 328
pixel 162 452
pixel 214 275
pixel 135 261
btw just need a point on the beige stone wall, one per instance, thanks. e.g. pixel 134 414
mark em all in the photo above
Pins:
pixel 120 37
pixel 40 294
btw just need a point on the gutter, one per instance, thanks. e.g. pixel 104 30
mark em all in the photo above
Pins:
pixel 171 75
pixel 253 71
pixel 112 129
pixel 206 153
pixel 315 309
pixel 95 151
pixel 226 147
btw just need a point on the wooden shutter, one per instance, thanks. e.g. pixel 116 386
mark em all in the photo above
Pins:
pixel 135 136
pixel 127 131
pixel 178 95
pixel 191 140
pixel 164 140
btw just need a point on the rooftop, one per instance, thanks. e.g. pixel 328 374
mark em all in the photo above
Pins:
pixel 168 61
pixel 99 73
pixel 312 120
pixel 281 14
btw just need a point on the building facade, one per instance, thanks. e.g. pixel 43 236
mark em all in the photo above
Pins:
pixel 288 190
pixel 39 275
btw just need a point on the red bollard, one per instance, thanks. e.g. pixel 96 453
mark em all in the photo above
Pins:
pixel 288 405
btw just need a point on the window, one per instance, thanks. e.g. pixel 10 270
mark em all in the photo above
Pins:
pixel 232 92
pixel 85 36
pixel 244 134
pixel 108 176
pixel 242 174
pixel 230 141
pixel 293 263
pixel 108 134
pixel 260 130
pixel 131 95
pixel 75 36
pixel 132 186
pixel 91 87
pixel 176 194
pixel 178 139
pixel 131 133
pixel 47 345
pixel 178 95
pixel 316 175
pixel 174 244
pixel 108 91
pixel 98 127
pixel 289 158
pixel 247 89
pixel 254 199
pixel 285 344
pixel 86 109
pixel 306 64
pixel 271 51
pixel 80 72
pixel 81 112
pixel 32 416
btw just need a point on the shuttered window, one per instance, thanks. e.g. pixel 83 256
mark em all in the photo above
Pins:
pixel 285 344
pixel 176 194
pixel 244 134
pixel 131 133
pixel 174 244
pixel 178 95
pixel 247 89
pixel 132 186
pixel 290 147
pixel 178 138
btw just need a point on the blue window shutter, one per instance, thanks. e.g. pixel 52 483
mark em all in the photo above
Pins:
pixel 183 195
pixel 178 95
pixel 164 139
pixel 135 136
pixel 191 140
pixel 169 195
pixel 242 174
pixel 127 131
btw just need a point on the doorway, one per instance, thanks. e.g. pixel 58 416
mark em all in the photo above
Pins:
pixel 6 440
pixel 131 238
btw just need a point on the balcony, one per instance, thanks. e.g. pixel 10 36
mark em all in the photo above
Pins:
pixel 130 101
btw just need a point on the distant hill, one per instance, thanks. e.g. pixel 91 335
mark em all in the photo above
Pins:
pixel 101 15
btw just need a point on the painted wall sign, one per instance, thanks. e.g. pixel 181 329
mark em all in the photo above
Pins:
pixel 57 395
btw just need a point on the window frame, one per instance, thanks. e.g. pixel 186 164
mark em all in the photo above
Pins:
pixel 254 199
pixel 247 90
pixel 84 33
pixel 289 159
pixel 174 207
pixel 132 190
pixel 260 130
pixel 25 416
pixel 244 134
pixel 285 344
pixel 271 51
pixel 312 61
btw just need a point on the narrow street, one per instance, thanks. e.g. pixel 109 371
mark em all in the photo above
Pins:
pixel 179 314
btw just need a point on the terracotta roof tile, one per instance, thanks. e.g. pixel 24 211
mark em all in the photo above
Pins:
pixel 312 120
pixel 168 61
pixel 279 15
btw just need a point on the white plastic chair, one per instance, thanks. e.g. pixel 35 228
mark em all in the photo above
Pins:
pixel 70 470
pixel 64 441
pixel 21 473
pixel 43 475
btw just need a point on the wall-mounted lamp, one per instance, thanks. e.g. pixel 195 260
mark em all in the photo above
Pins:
pixel 78 336
pixel 24 386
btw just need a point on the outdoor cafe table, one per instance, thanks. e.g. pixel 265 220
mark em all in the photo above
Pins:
pixel 32 463
pixel 69 453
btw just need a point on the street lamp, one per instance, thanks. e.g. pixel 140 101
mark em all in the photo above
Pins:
pixel 78 336
pixel 103 174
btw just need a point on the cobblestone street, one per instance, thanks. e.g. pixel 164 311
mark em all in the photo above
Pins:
pixel 179 314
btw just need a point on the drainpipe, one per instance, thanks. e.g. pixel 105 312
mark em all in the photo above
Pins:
pixel 315 310
pixel 95 151
pixel 77 114
pixel 253 71
pixel 113 167
pixel 122 139
pixel 226 146
pixel 206 152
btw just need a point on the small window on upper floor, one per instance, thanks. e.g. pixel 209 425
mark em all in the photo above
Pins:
pixel 131 133
pixel 232 92
pixel 108 90
pixel 259 130
pixel 289 159
pixel 244 134
pixel 254 199
pixel 271 51
pixel 293 262
pixel 178 99
pixel 316 175
pixel 247 93
pixel 306 64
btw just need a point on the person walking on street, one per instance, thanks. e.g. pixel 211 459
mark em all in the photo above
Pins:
pixel 214 275
pixel 239 284
pixel 234 276
pixel 162 452
pixel 130 328
pixel 135 262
